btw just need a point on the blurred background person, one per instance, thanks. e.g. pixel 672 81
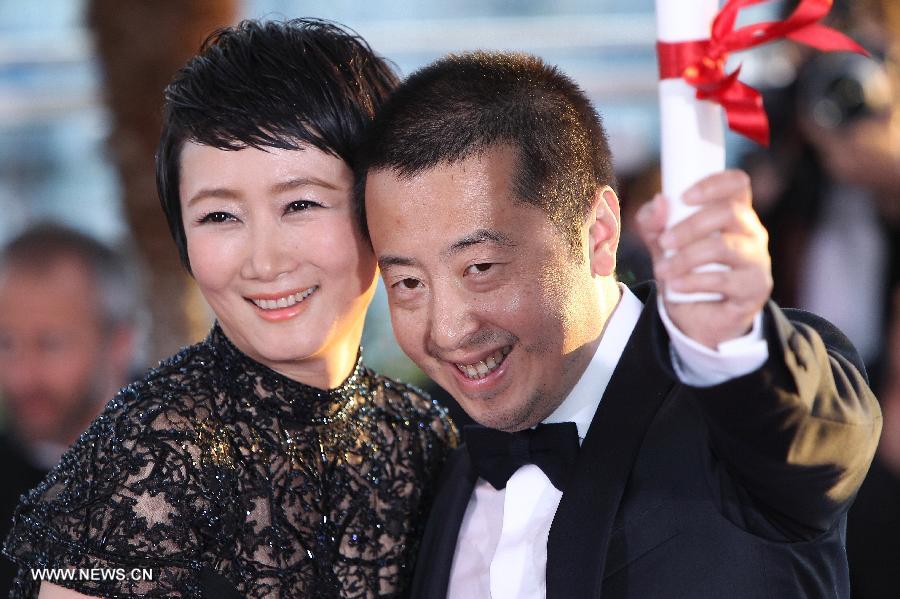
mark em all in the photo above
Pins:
pixel 68 327
pixel 828 189
pixel 873 529
pixel 868 155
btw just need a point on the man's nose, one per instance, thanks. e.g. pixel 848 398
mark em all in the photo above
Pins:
pixel 22 369
pixel 453 317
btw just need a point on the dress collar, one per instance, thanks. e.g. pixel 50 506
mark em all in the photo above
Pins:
pixel 264 388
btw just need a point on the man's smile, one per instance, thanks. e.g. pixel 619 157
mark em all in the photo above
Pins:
pixel 481 368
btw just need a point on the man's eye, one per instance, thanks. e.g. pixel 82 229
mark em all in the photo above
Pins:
pixel 215 217
pixel 477 268
pixel 407 283
pixel 53 343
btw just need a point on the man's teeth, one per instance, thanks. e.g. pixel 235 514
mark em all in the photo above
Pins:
pixel 486 366
pixel 284 302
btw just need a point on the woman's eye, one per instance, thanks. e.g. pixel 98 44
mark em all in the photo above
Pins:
pixel 477 268
pixel 216 217
pixel 301 205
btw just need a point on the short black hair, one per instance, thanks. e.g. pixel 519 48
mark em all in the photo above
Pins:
pixel 464 104
pixel 43 245
pixel 275 84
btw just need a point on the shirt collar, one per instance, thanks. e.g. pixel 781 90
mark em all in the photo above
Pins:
pixel 581 403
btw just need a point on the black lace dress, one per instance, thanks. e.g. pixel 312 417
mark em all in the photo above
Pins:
pixel 216 472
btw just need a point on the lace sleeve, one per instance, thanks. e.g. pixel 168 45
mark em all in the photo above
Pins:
pixel 124 513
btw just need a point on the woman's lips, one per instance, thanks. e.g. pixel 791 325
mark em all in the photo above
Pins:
pixel 275 309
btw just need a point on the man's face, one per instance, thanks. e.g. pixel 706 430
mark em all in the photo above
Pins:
pixel 484 291
pixel 53 362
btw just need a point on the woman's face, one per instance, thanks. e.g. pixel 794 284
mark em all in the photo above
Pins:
pixel 276 251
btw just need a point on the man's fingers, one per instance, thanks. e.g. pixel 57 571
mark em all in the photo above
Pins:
pixel 714 218
pixel 723 229
pixel 740 287
pixel 731 184
pixel 731 250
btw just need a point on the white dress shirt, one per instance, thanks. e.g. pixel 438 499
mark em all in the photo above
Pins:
pixel 501 552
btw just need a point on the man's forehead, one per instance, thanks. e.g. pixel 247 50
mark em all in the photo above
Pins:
pixel 51 268
pixel 455 246
pixel 446 209
pixel 64 282
pixel 498 161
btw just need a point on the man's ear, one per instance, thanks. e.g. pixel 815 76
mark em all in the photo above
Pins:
pixel 604 227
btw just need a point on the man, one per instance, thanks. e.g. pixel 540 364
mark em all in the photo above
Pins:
pixel 720 443
pixel 67 325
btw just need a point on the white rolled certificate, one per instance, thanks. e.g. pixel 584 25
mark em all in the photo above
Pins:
pixel 692 134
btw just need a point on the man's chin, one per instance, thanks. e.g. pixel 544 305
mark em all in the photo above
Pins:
pixel 499 419
pixel 29 435
pixel 35 426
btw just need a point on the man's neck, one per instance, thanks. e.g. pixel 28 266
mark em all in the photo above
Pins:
pixel 582 400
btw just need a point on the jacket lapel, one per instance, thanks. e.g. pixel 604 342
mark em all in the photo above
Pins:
pixel 579 535
pixel 432 575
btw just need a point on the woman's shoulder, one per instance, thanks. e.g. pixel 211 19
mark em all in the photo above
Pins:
pixel 158 432
pixel 179 400
pixel 184 380
pixel 146 437
pixel 132 489
pixel 165 404
pixel 413 407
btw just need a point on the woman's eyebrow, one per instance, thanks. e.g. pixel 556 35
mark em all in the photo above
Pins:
pixel 301 182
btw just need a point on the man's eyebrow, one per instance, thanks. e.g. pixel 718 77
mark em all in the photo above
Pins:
pixel 473 238
pixel 477 237
pixel 387 261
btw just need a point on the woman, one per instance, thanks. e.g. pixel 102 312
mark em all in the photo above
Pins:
pixel 265 461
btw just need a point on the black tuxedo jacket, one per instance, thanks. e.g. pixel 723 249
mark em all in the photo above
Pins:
pixel 738 490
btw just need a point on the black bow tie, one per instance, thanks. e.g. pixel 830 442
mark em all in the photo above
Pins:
pixel 497 455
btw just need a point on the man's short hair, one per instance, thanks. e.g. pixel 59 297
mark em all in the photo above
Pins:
pixel 464 104
pixel 44 245
pixel 270 85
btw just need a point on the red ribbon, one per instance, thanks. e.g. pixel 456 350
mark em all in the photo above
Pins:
pixel 702 63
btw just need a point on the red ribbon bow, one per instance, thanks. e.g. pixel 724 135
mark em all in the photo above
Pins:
pixel 702 63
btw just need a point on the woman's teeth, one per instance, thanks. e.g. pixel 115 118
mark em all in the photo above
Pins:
pixel 284 302
pixel 486 366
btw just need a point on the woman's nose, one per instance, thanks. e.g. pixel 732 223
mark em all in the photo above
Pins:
pixel 270 254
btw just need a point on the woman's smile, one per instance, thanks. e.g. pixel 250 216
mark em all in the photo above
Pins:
pixel 279 307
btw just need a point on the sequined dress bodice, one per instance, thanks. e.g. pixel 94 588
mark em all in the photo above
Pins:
pixel 215 464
